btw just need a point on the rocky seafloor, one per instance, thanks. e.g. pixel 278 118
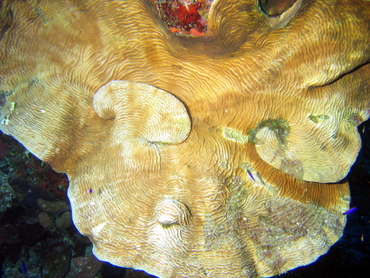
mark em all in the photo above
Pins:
pixel 38 239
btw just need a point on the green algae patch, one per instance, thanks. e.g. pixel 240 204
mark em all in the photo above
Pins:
pixel 318 118
pixel 233 134
pixel 279 126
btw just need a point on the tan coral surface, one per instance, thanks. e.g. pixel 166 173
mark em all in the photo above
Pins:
pixel 215 156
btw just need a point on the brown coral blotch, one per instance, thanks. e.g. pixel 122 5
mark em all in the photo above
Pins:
pixel 219 155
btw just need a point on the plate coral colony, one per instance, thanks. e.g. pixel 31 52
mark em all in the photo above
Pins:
pixel 200 138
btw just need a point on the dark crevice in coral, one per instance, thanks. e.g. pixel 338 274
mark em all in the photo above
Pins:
pixel 275 8
pixel 6 24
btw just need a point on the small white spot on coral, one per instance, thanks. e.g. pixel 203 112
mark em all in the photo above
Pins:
pixel 96 230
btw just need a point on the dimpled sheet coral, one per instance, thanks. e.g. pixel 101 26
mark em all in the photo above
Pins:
pixel 211 147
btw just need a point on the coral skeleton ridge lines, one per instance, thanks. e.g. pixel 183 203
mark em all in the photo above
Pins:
pixel 200 138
